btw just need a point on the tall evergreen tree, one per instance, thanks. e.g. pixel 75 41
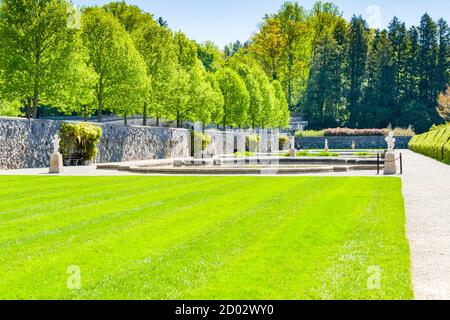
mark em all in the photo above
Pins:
pixel 399 43
pixel 380 94
pixel 428 50
pixel 443 68
pixel 356 62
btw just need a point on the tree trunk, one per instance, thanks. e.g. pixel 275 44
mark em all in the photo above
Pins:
pixel 178 120
pixel 144 114
pixel 157 121
pixel 100 101
pixel 35 102
pixel 28 108
pixel 85 113
pixel 125 120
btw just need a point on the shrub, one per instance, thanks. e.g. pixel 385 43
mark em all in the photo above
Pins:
pixel 283 142
pixel 440 126
pixel 354 132
pixel 80 138
pixel 309 133
pixel 434 144
pixel 252 142
pixel 203 139
pixel 402 132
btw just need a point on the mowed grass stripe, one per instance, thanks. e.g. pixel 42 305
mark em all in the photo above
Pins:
pixel 228 237
pixel 130 235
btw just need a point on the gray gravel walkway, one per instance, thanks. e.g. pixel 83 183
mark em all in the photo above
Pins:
pixel 426 189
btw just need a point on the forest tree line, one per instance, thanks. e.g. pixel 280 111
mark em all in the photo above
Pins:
pixel 338 73
pixel 119 59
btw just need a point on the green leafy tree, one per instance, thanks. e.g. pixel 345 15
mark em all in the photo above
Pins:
pixel 236 98
pixel 130 16
pixel 266 118
pixel 204 99
pixel 256 98
pixel 217 108
pixel 157 48
pixel 122 79
pixel 210 55
pixel 282 113
pixel 39 51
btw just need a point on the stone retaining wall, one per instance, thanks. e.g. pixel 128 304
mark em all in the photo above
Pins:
pixel 28 143
pixel 361 142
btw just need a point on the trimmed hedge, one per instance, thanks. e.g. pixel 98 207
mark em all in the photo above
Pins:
pixel 434 144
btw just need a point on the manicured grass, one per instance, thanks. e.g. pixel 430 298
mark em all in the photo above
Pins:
pixel 203 237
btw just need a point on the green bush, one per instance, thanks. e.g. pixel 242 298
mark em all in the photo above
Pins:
pixel 252 142
pixel 203 139
pixel 310 133
pixel 80 138
pixel 434 144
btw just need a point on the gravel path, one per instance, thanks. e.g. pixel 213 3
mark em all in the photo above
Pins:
pixel 426 189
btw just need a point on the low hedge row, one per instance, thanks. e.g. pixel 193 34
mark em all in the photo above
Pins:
pixel 434 144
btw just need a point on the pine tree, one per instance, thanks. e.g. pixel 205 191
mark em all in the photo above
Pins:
pixel 399 42
pixel 356 61
pixel 380 93
pixel 443 68
pixel 428 50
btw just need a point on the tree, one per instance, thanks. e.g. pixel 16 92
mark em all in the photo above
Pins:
pixel 356 61
pixel 266 118
pixel 38 51
pixel 323 102
pixel 428 49
pixel 443 107
pixel 268 46
pixel 122 80
pixel 218 108
pixel 322 20
pixel 236 98
pixel 256 99
pixel 156 46
pixel 297 49
pixel 131 17
pixel 204 100
pixel 186 51
pixel 282 113
pixel 379 108
pixel 443 67
pixel 210 56
pixel 398 40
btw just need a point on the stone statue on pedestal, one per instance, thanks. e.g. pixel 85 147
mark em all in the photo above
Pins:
pixel 56 159
pixel 327 148
pixel 390 140
pixel 390 166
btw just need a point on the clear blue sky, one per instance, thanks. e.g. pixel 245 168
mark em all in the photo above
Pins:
pixel 224 21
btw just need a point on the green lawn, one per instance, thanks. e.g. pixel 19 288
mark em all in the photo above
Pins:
pixel 203 237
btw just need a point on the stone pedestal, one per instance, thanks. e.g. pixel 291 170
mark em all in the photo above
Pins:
pixel 390 166
pixel 292 153
pixel 56 163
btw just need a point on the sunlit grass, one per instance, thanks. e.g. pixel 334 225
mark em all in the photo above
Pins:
pixel 203 238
